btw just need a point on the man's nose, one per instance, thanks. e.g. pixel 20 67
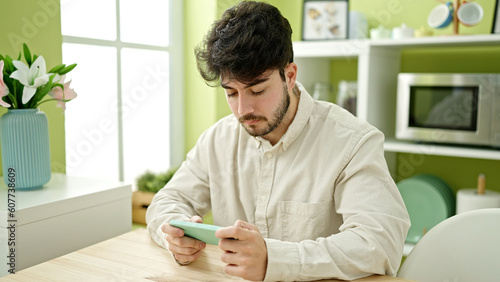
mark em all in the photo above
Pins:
pixel 245 104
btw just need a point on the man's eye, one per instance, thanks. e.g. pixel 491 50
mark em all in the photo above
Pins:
pixel 229 95
pixel 257 93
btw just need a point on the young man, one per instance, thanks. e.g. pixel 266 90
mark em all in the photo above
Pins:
pixel 302 184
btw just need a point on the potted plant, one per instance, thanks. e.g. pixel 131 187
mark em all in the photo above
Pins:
pixel 147 185
pixel 24 130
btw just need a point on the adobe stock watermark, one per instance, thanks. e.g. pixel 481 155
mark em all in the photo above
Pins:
pixel 94 137
pixel 31 25
pixel 11 246
pixel 384 16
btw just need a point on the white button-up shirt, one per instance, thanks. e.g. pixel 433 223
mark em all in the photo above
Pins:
pixel 322 196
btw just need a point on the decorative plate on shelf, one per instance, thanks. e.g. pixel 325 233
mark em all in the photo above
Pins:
pixel 429 200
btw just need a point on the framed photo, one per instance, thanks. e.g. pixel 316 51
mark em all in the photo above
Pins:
pixel 325 19
pixel 496 19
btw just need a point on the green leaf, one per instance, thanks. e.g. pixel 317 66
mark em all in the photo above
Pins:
pixel 12 100
pixel 57 68
pixel 58 84
pixel 18 92
pixel 27 54
pixel 67 69
pixel 10 83
pixel 9 66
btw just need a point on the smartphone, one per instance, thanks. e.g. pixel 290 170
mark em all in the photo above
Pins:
pixel 199 231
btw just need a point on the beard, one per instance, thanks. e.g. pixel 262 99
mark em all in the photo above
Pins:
pixel 278 116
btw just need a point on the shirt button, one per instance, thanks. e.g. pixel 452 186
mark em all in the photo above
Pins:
pixel 269 155
pixel 263 198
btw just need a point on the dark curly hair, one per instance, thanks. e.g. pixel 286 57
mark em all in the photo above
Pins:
pixel 250 38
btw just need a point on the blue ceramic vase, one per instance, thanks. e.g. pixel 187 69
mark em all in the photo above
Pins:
pixel 24 136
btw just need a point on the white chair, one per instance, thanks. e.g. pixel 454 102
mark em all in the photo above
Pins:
pixel 462 248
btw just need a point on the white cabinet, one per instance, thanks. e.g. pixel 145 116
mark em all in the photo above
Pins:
pixel 379 63
pixel 69 213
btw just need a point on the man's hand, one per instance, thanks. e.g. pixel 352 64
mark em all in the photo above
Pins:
pixel 245 251
pixel 184 249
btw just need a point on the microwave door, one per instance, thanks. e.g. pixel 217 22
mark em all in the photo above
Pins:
pixel 444 107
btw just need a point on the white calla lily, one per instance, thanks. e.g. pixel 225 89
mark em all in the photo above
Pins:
pixel 25 85
pixel 31 77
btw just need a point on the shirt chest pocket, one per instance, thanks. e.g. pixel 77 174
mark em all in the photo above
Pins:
pixel 301 221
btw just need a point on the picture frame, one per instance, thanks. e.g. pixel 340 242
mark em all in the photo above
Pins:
pixel 325 19
pixel 496 19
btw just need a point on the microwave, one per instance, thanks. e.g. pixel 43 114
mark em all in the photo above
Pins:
pixel 458 108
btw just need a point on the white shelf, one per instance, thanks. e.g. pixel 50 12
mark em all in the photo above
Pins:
pixel 330 49
pixel 379 62
pixel 439 41
pixel 354 47
pixel 67 214
pixel 392 145
pixel 63 194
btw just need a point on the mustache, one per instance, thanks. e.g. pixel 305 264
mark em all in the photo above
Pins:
pixel 250 117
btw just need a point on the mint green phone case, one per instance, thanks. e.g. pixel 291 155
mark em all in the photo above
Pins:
pixel 199 231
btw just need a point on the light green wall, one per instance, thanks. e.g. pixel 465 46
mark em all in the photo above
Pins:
pixel 222 109
pixel 37 23
pixel 458 172
pixel 292 10
pixel 456 59
pixel 200 100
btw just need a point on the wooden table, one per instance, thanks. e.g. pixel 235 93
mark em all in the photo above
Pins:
pixel 134 256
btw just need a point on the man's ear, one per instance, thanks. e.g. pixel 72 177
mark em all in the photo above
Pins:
pixel 291 75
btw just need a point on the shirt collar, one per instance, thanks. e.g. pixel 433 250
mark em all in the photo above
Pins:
pixel 304 110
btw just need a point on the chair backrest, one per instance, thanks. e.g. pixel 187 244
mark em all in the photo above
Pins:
pixel 464 247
